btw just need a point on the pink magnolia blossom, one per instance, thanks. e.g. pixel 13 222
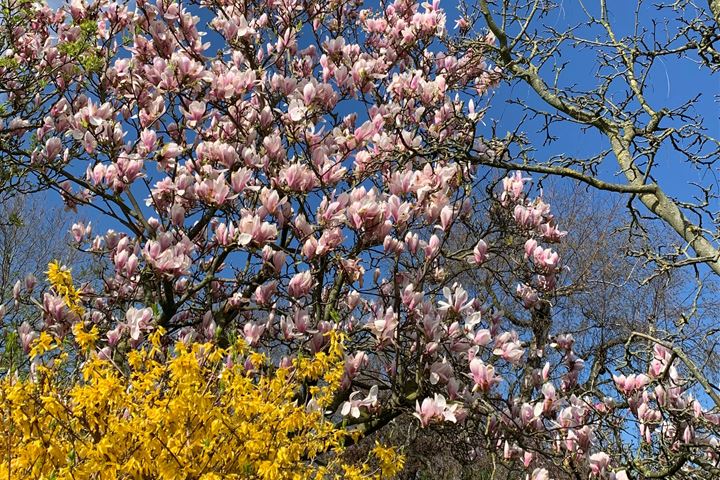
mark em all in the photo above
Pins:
pixel 384 326
pixel 599 463
pixel 263 293
pixel 631 383
pixel 352 367
pixel 456 300
pixel 432 247
pixel 528 295
pixel 168 257
pixel 27 336
pixel 53 147
pixel 113 336
pixel 540 474
pixel 252 333
pixel 511 351
pixel 480 253
pixel 301 284
pixel 483 375
pixel 252 229
pixel 138 320
pixel 195 112
pixel 482 337
pixel 441 372
pixel 513 187
pixel 435 409
pixel 353 406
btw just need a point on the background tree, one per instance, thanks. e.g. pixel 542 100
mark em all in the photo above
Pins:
pixel 644 144
pixel 31 235
pixel 656 149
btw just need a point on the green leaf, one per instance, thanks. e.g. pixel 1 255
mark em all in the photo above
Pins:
pixel 16 220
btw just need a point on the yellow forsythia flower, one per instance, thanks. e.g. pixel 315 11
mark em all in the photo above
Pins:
pixel 85 339
pixel 186 412
pixel 42 344
pixel 61 281
pixel 391 462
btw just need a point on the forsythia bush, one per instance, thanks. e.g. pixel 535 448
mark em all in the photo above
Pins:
pixel 185 412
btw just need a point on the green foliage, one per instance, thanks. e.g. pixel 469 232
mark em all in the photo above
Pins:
pixel 11 351
pixel 15 220
pixel 83 49
pixel 89 28
pixel 8 62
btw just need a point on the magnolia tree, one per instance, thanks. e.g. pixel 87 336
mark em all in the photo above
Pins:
pixel 276 171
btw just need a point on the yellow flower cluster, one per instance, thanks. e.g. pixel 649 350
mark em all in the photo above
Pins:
pixel 61 281
pixel 192 411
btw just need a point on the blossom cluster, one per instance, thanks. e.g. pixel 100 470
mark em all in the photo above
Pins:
pixel 185 411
